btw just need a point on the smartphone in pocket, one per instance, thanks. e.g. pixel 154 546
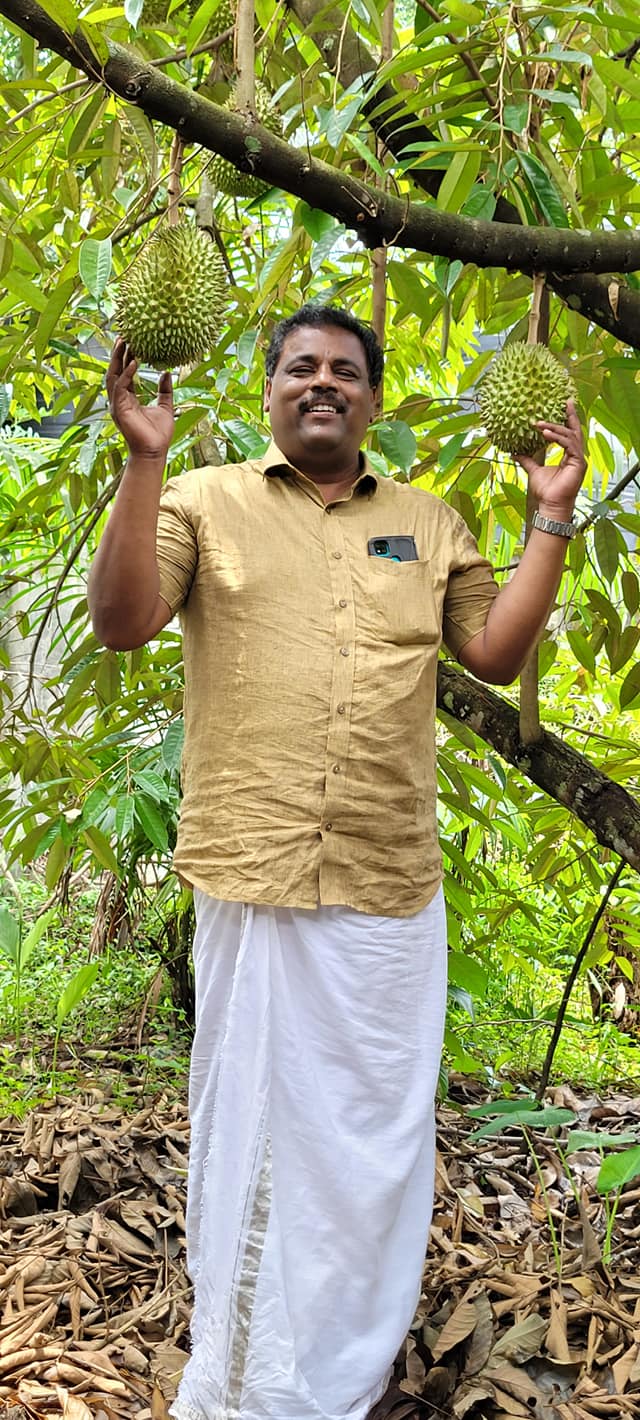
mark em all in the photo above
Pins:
pixel 395 549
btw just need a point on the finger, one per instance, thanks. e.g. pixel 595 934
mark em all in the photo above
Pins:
pixel 165 390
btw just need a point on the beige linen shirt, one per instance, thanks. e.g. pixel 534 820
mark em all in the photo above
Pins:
pixel 308 771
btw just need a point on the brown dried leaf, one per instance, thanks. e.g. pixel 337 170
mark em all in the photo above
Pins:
pixel 460 1325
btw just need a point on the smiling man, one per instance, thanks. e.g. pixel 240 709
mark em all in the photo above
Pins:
pixel 314 597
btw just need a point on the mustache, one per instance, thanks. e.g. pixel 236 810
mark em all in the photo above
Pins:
pixel 307 404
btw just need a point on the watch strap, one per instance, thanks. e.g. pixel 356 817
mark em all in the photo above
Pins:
pixel 552 525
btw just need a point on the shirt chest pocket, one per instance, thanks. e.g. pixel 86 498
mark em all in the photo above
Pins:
pixel 398 603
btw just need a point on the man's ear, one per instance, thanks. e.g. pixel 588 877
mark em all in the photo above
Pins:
pixel 267 396
pixel 376 403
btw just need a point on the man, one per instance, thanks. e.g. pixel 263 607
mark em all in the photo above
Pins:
pixel 308 833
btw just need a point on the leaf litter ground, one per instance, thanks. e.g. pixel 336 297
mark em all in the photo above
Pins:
pixel 95 1299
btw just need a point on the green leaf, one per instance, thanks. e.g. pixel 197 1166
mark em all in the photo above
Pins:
pixel 124 816
pixel 547 1118
pixel 245 439
pixel 324 246
pixel 75 990
pixel 9 934
pixel 398 443
pixel 57 859
pixel 35 934
pixel 152 822
pixel 458 180
pixel 315 222
pixel 247 347
pixel 172 745
pixel 63 13
pixel 544 190
pixel 101 849
pixel 606 548
pixel 595 1139
pixel 631 592
pixel 582 651
pixel 94 264
pixel 56 304
pixel 152 784
pixel 630 688
pixel 340 119
pixel 465 971
pixel 618 1169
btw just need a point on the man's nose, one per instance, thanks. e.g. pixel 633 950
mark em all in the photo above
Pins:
pixel 324 376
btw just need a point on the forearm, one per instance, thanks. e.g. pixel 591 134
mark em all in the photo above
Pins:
pixel 521 610
pixel 123 586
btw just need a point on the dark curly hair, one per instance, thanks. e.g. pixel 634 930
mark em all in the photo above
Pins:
pixel 318 315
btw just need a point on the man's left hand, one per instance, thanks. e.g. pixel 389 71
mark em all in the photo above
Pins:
pixel 556 487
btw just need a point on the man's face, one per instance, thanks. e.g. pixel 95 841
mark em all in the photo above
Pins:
pixel 319 399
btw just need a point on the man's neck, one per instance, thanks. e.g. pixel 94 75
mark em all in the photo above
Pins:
pixel 333 483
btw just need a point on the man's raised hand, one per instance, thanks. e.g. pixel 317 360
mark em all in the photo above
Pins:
pixel 147 429
pixel 556 487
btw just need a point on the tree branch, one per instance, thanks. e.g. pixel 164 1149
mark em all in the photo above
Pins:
pixel 377 217
pixel 610 813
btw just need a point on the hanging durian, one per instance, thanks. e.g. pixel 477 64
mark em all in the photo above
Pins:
pixel 523 383
pixel 229 179
pixel 224 18
pixel 171 300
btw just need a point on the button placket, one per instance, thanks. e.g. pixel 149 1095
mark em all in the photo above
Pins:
pixel 343 672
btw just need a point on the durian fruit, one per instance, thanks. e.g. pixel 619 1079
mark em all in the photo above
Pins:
pixel 222 19
pixel 171 300
pixel 229 179
pixel 523 383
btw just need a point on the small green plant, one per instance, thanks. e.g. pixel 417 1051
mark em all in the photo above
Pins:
pixel 74 992
pixel 18 946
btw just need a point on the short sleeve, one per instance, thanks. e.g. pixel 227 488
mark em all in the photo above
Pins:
pixel 471 589
pixel 176 544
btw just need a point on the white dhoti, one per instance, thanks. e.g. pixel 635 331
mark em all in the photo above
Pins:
pixel 314 1069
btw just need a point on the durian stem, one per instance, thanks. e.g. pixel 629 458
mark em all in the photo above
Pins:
pixel 174 187
pixel 530 729
pixel 244 54
pixel 535 315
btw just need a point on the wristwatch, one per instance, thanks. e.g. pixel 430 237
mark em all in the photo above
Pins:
pixel 551 525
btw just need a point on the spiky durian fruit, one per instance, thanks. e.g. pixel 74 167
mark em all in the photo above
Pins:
pixel 171 300
pixel 522 384
pixel 229 179
pixel 223 19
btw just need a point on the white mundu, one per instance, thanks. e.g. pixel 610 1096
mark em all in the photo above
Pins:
pixel 314 1069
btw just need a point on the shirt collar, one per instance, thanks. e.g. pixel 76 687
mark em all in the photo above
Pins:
pixel 273 464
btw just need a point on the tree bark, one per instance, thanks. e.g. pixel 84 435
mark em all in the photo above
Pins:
pixel 377 217
pixel 611 813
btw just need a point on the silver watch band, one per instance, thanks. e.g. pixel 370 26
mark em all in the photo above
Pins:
pixel 551 525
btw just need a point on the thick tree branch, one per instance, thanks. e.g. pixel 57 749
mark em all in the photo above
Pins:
pixel 348 57
pixel 603 806
pixel 376 216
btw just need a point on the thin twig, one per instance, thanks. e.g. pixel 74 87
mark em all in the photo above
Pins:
pixel 571 980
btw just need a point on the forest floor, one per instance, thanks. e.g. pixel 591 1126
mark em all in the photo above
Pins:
pixel 519 1314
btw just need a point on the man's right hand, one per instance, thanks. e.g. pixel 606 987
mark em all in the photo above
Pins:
pixel 146 429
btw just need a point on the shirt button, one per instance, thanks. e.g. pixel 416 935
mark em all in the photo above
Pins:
pixel 344 650
pixel 337 768
pixel 341 709
pixel 328 827
pixel 338 555
pixel 343 602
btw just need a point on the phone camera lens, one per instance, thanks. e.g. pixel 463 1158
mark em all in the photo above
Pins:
pixel 381 546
